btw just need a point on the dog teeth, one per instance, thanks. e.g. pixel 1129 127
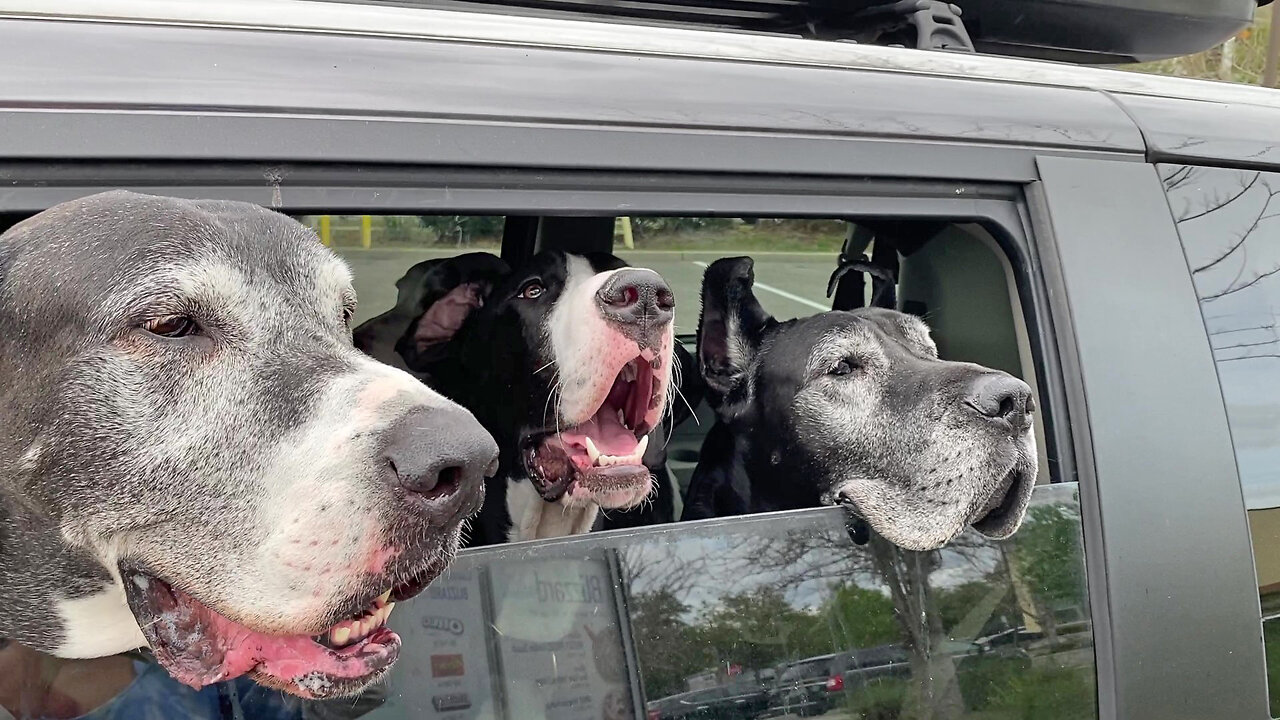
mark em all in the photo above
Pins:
pixel 353 631
pixel 599 459
pixel 339 636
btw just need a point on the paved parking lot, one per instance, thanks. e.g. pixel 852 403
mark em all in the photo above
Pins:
pixel 788 284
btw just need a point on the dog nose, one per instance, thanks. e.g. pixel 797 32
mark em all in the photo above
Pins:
pixel 1002 397
pixel 637 296
pixel 440 451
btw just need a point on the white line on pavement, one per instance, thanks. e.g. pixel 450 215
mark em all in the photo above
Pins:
pixel 776 291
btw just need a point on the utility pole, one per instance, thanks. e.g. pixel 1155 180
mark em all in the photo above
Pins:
pixel 1273 48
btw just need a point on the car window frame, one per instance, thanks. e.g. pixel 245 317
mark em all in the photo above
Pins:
pixel 1000 207
pixel 1111 233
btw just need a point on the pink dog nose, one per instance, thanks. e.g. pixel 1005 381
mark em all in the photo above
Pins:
pixel 637 297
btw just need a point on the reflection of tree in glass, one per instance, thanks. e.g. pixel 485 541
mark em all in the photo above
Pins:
pixel 760 629
pixel 669 649
pixel 787 596
pixel 1046 555
pixel 859 618
pixel 1219 214
pixel 760 599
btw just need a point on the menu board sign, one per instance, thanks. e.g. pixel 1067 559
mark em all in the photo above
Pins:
pixel 559 640
pixel 443 671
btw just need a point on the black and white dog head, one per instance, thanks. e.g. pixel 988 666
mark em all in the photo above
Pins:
pixel 566 359
pixel 195 458
pixel 856 408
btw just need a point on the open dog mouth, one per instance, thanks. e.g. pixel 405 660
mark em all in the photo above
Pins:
pixel 199 646
pixel 601 460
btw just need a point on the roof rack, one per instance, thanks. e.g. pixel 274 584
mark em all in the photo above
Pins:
pixel 1078 31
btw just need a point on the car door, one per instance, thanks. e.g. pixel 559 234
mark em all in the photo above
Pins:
pixel 393 165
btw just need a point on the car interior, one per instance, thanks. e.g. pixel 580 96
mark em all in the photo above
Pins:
pixel 953 274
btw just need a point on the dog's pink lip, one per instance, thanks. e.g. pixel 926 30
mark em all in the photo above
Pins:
pixel 199 646
pixel 650 366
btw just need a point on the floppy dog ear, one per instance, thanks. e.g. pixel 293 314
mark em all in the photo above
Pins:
pixel 452 290
pixel 729 330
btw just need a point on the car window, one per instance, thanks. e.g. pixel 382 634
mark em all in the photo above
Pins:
pixel 745 617
pixel 1229 223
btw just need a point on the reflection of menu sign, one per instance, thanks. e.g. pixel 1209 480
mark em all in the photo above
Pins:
pixel 558 636
pixel 447 666
pixel 443 671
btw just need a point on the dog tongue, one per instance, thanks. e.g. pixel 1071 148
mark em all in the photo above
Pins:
pixel 609 435
pixel 198 646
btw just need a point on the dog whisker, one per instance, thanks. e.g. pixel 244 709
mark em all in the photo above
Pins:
pixel 547 405
pixel 684 400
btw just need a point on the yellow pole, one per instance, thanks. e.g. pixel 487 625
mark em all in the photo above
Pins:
pixel 366 231
pixel 326 231
pixel 627 239
pixel 1271 71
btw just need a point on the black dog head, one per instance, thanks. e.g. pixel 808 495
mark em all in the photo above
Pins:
pixel 434 296
pixel 856 408
pixel 566 360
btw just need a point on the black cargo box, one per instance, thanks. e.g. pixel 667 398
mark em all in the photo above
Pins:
pixel 1103 31
pixel 1080 31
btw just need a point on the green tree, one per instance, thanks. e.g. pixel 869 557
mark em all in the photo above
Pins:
pixel 1046 556
pixel 859 618
pixel 648 226
pixel 760 629
pixel 669 649
pixel 459 230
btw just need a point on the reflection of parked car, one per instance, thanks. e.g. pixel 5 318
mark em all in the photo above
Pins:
pixel 812 686
pixel 1017 637
pixel 802 687
pixel 739 700
pixel 860 667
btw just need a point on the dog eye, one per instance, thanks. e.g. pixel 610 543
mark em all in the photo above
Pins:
pixel 532 291
pixel 844 367
pixel 172 326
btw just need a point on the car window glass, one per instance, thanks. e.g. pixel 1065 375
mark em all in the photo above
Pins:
pixel 1229 223
pixel 750 618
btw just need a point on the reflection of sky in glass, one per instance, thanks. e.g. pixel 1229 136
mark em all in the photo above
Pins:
pixel 1229 221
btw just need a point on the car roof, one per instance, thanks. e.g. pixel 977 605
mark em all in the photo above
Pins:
pixel 468 26
pixel 541 83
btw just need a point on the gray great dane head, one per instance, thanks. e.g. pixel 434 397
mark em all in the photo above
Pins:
pixel 855 408
pixel 195 458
